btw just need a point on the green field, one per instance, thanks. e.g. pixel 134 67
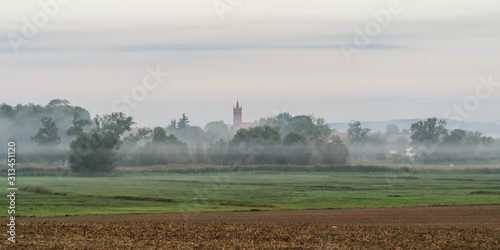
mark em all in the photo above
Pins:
pixel 170 190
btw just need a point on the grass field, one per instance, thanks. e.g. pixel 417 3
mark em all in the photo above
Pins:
pixel 163 189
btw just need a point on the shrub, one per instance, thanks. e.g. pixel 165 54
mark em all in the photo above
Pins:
pixel 93 152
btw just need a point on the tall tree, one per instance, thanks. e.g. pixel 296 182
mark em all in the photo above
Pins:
pixel 97 151
pixel 456 137
pixel 93 153
pixel 78 125
pixel 257 136
pixel 6 110
pixel 335 152
pixel 116 123
pixel 47 134
pixel 294 138
pixel 428 132
pixel 172 126
pixel 357 134
pixel 159 135
pixel 391 129
pixel 216 130
pixel 58 102
pixel 183 122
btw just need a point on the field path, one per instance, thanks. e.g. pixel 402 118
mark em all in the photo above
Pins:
pixel 488 215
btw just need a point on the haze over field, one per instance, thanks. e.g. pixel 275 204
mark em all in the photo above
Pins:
pixel 274 56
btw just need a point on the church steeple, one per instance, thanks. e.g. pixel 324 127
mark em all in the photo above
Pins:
pixel 237 116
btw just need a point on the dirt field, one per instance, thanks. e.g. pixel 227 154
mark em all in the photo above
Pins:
pixel 476 227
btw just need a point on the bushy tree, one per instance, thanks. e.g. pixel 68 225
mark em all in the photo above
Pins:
pixel 428 132
pixel 97 152
pixel 58 102
pixel 391 129
pixel 93 153
pixel 115 123
pixel 47 134
pixel 216 130
pixel 219 152
pixel 257 145
pixel 78 125
pixel 191 134
pixel 6 110
pixel 159 135
pixel 294 138
pixel 357 140
pixel 335 152
pixel 357 134
pixel 313 129
pixel 172 126
pixel 456 137
pixel 257 136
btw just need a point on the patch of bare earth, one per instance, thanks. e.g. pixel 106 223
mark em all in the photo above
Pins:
pixel 470 227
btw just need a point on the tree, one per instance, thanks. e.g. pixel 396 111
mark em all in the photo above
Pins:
pixel 356 134
pixel 303 124
pixel 285 116
pixel 296 150
pixel 391 129
pixel 376 138
pixel 218 152
pixel 47 134
pixel 335 152
pixel 257 135
pixel 93 153
pixel 183 122
pixel 78 125
pixel 294 138
pixel 191 134
pixel 321 132
pixel 428 132
pixel 159 135
pixel 97 151
pixel 313 129
pixel 199 153
pixel 172 126
pixel 141 134
pixel 487 140
pixel 116 123
pixel 58 102
pixel 6 110
pixel 456 137
pixel 216 130
pixel 257 145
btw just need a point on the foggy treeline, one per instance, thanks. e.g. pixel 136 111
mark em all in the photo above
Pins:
pixel 425 142
pixel 22 122
pixel 44 133
pixel 279 140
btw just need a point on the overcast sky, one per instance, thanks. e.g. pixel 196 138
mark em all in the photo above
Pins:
pixel 271 55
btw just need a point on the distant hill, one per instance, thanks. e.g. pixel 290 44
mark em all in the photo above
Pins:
pixel 487 128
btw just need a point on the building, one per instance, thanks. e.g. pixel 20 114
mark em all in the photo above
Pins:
pixel 238 119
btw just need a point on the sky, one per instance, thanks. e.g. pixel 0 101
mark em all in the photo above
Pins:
pixel 340 60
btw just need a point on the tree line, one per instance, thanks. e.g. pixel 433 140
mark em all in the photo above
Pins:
pixel 66 134
pixel 299 140
pixel 427 141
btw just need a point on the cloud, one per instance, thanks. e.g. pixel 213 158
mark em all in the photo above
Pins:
pixel 189 47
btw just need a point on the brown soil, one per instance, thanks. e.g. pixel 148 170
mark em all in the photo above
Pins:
pixel 447 215
pixel 462 227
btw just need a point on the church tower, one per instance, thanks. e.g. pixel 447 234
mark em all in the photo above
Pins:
pixel 237 119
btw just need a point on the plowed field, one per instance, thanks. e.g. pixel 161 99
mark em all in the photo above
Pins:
pixel 471 227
